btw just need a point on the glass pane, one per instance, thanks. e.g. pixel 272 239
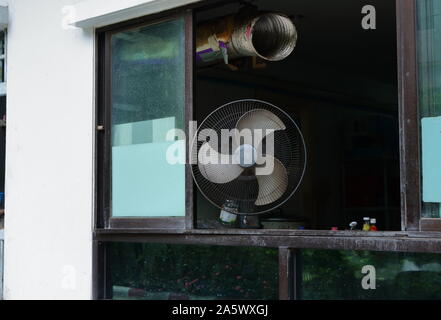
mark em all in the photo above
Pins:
pixel 356 275
pixel 2 70
pixel 429 64
pixel 168 272
pixel 2 55
pixel 148 91
pixel 2 42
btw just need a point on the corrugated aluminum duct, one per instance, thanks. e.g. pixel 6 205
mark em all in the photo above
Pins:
pixel 270 36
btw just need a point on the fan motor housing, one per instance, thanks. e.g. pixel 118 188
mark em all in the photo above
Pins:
pixel 246 156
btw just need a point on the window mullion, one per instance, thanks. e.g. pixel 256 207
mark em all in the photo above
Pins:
pixel 408 115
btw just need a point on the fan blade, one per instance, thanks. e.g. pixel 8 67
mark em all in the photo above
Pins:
pixel 259 119
pixel 271 186
pixel 217 167
pixel 269 148
pixel 224 140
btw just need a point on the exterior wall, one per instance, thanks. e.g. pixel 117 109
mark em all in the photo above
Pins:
pixel 50 142
pixel 49 166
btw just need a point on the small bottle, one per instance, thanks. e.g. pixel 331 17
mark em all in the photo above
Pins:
pixel 228 215
pixel 366 224
pixel 373 225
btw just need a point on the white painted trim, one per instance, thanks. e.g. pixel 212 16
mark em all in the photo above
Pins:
pixel 98 13
pixel 4 17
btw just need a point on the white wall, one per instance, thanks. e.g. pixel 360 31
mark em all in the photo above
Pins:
pixel 50 151
pixel 49 178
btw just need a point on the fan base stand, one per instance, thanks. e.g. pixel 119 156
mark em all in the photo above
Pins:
pixel 249 222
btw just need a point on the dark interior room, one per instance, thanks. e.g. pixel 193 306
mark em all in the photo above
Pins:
pixel 340 86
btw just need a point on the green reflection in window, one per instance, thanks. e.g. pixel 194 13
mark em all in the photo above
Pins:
pixel 167 272
pixel 338 275
pixel 429 78
pixel 148 94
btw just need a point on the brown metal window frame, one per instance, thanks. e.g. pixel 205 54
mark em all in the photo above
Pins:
pixel 409 136
pixel 425 224
pixel 103 138
pixel 409 116
pixel 183 231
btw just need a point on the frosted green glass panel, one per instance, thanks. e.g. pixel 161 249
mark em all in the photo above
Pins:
pixel 148 91
pixel 429 73
pixel 431 135
pixel 144 183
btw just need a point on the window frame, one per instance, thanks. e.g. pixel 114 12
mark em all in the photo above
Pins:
pixel 408 121
pixel 104 127
pixel 410 161
pixel 2 253
pixel 418 220
pixel 417 234
pixel 4 58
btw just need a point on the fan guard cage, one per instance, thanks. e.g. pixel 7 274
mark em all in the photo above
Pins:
pixel 289 149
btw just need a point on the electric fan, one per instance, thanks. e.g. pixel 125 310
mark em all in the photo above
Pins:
pixel 250 153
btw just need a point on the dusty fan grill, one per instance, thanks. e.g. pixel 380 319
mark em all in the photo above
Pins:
pixel 239 178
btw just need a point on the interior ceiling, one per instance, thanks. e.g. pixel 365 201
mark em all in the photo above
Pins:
pixel 330 35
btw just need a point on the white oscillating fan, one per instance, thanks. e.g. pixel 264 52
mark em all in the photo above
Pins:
pixel 250 153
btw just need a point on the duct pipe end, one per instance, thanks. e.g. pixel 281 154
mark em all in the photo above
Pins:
pixel 273 36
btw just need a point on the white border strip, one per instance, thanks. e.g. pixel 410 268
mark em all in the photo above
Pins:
pixel 99 13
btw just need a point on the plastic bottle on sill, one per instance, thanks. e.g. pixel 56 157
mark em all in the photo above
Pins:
pixel 373 225
pixel 228 215
pixel 366 224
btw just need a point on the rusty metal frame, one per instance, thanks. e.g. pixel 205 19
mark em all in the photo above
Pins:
pixel 409 116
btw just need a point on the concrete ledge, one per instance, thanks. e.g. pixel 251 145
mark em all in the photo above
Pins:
pixel 99 13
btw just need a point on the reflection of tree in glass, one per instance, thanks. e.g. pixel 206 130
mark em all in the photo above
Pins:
pixel 196 271
pixel 337 275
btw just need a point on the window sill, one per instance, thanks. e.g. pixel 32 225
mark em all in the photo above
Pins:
pixel 431 225
pixel 326 240
pixel 270 232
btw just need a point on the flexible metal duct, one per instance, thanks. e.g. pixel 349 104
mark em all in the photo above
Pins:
pixel 270 36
